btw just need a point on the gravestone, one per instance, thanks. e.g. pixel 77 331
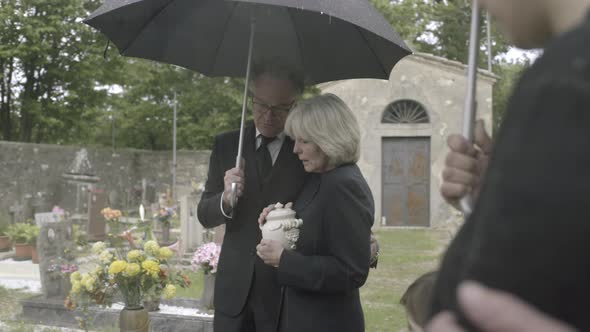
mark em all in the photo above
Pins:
pixel 190 228
pixel 96 224
pixel 114 201
pixel 55 245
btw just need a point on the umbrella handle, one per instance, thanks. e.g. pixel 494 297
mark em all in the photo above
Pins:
pixel 470 106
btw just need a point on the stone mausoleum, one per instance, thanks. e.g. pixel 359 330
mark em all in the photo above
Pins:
pixel 405 123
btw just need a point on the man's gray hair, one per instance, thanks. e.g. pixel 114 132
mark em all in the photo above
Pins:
pixel 280 70
pixel 329 123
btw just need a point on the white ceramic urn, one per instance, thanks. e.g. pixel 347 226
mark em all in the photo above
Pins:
pixel 281 225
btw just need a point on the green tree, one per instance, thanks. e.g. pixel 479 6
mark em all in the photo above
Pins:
pixel 50 66
pixel 509 74
pixel 438 27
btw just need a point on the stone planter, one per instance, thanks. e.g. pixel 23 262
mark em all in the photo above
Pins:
pixel 22 251
pixel 4 243
pixel 34 255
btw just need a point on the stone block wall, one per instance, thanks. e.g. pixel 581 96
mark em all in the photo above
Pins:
pixel 31 181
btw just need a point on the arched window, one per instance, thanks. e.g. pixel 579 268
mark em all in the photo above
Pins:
pixel 405 111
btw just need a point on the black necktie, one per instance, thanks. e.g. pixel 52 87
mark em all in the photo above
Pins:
pixel 263 157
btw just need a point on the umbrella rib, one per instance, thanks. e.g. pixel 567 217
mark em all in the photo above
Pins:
pixel 385 71
pixel 299 43
pixel 225 25
pixel 145 25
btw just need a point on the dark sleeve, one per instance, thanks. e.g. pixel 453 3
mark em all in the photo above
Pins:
pixel 209 209
pixel 347 226
pixel 531 235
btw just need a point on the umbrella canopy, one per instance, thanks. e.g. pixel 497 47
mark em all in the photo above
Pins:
pixel 329 40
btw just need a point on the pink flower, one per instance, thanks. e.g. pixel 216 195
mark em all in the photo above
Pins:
pixel 207 257
pixel 57 210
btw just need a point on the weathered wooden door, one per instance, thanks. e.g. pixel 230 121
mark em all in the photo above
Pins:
pixel 406 181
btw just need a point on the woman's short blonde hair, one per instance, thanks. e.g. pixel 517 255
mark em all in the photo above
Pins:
pixel 329 123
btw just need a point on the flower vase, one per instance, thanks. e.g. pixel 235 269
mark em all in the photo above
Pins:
pixel 208 291
pixel 134 319
pixel 165 233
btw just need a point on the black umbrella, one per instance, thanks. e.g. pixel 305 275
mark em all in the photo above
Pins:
pixel 328 39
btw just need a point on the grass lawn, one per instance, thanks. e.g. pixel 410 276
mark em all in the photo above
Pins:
pixel 404 256
pixel 196 288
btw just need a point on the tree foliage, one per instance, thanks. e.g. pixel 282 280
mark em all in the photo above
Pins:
pixel 59 85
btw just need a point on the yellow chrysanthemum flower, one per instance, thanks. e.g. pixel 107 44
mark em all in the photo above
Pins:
pixel 76 287
pixel 117 267
pixel 98 247
pixel 169 291
pixel 75 276
pixel 151 267
pixel 132 269
pixel 88 282
pixel 134 255
pixel 165 253
pixel 151 248
pixel 105 257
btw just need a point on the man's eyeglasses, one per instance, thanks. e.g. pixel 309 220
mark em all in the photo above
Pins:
pixel 274 109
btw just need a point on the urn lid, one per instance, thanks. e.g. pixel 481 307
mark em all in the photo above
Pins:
pixel 281 213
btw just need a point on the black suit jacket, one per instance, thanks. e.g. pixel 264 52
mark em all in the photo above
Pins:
pixel 528 233
pixel 322 276
pixel 238 259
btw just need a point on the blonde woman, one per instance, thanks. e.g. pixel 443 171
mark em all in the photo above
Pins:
pixel 322 276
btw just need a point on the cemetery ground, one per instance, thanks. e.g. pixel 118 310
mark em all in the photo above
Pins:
pixel 405 254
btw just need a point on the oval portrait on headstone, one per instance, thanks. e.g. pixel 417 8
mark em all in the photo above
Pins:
pixel 51 235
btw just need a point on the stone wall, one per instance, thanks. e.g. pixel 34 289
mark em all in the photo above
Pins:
pixel 31 181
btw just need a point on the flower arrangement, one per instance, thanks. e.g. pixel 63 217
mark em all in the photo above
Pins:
pixel 60 268
pixel 165 214
pixel 206 257
pixel 111 214
pixel 58 213
pixel 138 275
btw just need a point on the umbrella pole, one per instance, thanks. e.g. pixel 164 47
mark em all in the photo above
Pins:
pixel 470 99
pixel 234 186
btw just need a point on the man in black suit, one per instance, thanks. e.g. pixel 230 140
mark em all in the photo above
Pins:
pixel 247 294
pixel 528 233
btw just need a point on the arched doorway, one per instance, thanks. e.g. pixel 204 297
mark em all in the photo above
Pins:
pixel 405 168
